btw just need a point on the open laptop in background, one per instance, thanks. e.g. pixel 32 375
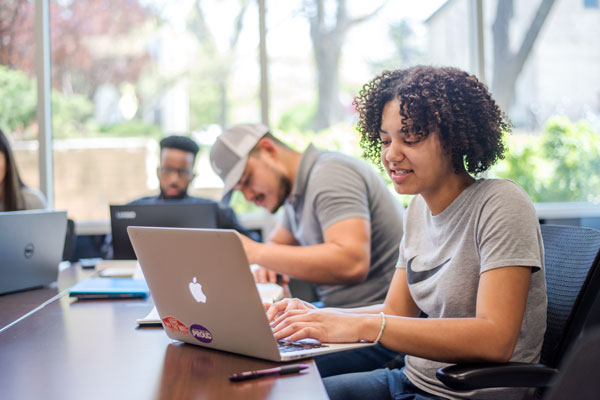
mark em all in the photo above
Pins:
pixel 205 294
pixel 31 247
pixel 175 215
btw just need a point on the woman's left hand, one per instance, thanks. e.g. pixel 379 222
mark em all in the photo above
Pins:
pixel 321 324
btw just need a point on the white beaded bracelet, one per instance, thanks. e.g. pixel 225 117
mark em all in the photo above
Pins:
pixel 382 327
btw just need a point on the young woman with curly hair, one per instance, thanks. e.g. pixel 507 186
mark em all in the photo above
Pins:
pixel 14 195
pixel 471 257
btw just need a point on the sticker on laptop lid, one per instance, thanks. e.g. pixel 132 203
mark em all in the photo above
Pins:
pixel 201 333
pixel 175 325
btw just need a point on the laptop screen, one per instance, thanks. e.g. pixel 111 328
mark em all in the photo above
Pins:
pixel 165 215
pixel 31 246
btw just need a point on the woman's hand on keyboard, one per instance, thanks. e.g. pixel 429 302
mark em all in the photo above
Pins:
pixel 325 325
pixel 277 309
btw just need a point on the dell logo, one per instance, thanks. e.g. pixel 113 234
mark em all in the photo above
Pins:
pixel 29 249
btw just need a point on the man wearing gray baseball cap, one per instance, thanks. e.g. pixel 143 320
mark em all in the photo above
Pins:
pixel 340 227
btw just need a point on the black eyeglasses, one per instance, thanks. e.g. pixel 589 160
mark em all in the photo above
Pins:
pixel 181 172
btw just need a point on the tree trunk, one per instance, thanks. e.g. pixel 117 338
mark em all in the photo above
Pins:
pixel 198 26
pixel 327 46
pixel 327 58
pixel 507 64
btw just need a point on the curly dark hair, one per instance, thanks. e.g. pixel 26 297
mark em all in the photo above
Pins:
pixel 469 121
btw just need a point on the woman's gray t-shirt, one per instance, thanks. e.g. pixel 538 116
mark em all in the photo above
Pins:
pixel 491 224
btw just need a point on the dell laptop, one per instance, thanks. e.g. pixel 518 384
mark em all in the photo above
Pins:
pixel 205 294
pixel 176 215
pixel 31 247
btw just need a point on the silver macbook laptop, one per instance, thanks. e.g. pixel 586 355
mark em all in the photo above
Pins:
pixel 205 294
pixel 31 247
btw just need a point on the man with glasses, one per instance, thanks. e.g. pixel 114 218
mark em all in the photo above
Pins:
pixel 176 172
pixel 340 227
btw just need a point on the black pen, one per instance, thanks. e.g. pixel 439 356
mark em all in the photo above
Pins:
pixel 288 369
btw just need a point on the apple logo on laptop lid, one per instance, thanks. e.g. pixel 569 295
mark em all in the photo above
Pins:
pixel 196 290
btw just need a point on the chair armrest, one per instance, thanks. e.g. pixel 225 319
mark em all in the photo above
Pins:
pixel 489 375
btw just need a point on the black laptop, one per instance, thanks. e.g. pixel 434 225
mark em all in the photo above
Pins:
pixel 166 215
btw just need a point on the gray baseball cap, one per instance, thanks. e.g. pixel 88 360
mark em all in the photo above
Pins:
pixel 229 154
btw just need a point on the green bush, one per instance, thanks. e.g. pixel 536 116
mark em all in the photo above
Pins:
pixel 18 102
pixel 299 117
pixel 560 165
pixel 204 103
pixel 131 128
pixel 71 115
pixel 573 152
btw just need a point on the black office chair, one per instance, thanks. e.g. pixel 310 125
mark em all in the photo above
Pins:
pixel 578 375
pixel 69 247
pixel 572 259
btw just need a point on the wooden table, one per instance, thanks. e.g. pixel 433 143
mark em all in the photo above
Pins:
pixel 91 349
pixel 15 305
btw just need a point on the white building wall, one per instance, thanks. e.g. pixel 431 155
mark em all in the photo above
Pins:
pixel 562 73
pixel 448 36
pixel 568 57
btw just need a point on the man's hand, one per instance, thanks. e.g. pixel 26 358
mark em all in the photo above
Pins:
pixel 261 274
pixel 264 275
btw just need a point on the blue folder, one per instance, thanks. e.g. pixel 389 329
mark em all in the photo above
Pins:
pixel 106 288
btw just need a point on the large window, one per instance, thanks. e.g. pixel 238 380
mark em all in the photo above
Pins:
pixel 127 72
pixel 132 72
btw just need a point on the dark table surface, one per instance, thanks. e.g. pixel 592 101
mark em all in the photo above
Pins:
pixel 15 305
pixel 92 349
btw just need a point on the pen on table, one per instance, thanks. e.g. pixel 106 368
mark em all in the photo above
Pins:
pixel 287 369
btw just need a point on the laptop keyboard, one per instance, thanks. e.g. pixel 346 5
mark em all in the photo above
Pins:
pixel 305 344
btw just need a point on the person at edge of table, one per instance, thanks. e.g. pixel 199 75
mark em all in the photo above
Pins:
pixel 14 194
pixel 471 257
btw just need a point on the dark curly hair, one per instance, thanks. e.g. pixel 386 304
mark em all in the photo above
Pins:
pixel 470 122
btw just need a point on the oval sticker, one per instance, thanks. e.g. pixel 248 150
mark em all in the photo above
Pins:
pixel 201 333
